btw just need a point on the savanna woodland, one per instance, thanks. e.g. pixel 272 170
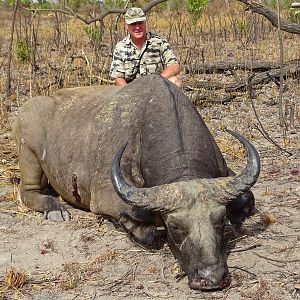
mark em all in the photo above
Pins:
pixel 240 66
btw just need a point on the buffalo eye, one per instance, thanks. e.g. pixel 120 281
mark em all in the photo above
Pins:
pixel 217 218
pixel 177 233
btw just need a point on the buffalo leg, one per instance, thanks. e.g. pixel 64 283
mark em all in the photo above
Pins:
pixel 140 226
pixel 33 182
pixel 145 234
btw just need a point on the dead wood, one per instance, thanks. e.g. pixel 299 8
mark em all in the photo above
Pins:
pixel 199 99
pixel 208 85
pixel 272 17
pixel 290 69
pixel 221 67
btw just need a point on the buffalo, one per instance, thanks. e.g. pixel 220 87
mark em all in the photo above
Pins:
pixel 141 155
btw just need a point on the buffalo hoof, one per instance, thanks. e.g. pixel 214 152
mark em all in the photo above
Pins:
pixel 54 211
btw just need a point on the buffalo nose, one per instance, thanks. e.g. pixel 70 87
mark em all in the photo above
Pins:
pixel 208 279
pixel 211 277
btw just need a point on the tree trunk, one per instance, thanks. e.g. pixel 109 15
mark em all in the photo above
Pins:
pixel 280 101
pixel 10 49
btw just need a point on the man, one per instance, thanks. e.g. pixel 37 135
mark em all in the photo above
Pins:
pixel 142 53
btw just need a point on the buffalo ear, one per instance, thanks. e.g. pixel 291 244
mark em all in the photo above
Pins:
pixel 241 208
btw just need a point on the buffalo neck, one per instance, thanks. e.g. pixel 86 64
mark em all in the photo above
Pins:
pixel 172 144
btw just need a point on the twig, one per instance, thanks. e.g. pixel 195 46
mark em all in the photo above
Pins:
pixel 277 260
pixel 180 276
pixel 276 81
pixel 261 129
pixel 268 138
pixel 46 280
pixel 241 249
pixel 226 294
pixel 237 239
pixel 18 213
pixel 244 270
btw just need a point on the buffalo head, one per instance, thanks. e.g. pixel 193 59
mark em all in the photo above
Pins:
pixel 194 213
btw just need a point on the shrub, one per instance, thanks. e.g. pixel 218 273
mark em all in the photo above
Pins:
pixel 93 34
pixel 196 8
pixel 23 51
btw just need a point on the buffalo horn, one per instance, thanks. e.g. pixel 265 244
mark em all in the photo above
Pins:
pixel 136 197
pixel 246 179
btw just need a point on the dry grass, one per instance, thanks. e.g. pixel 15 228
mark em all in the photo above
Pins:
pixel 268 219
pixel 15 279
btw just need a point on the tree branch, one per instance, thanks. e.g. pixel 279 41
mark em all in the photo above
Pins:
pixel 272 17
pixel 70 12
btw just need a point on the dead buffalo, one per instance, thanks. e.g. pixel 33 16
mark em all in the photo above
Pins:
pixel 172 173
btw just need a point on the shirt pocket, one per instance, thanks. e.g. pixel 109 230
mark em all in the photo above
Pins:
pixel 151 65
pixel 131 68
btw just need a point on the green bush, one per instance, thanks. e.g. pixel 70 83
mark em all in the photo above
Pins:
pixel 196 8
pixel 93 34
pixel 284 3
pixel 115 3
pixel 23 51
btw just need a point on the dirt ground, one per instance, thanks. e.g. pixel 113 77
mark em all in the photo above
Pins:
pixel 87 258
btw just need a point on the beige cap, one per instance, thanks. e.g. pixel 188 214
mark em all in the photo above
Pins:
pixel 134 14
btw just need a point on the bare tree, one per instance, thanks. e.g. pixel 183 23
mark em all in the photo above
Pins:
pixel 100 18
pixel 282 25
pixel 8 74
pixel 280 106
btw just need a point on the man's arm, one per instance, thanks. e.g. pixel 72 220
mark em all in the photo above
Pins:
pixel 170 71
pixel 169 59
pixel 117 71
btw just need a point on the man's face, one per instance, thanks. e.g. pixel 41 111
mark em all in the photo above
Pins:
pixel 136 30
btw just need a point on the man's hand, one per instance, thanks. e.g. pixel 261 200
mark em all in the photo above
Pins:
pixel 120 81
pixel 170 71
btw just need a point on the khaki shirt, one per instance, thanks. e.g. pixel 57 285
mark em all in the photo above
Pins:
pixel 129 62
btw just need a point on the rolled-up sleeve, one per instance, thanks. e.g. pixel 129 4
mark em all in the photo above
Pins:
pixel 167 54
pixel 117 68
